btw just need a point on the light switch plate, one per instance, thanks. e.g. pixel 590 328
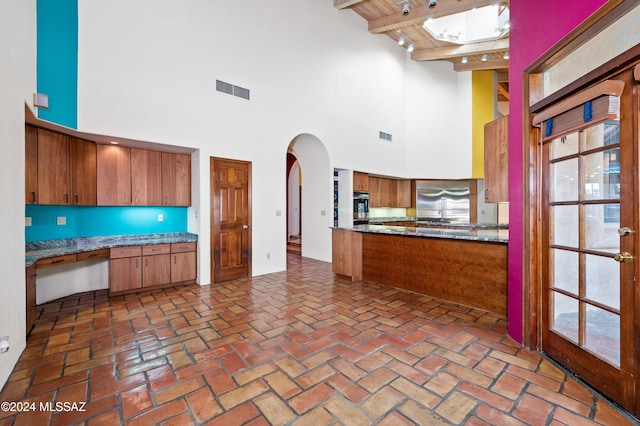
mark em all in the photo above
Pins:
pixel 61 220
pixel 160 218
pixel 27 221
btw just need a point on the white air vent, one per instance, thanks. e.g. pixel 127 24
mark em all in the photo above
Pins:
pixel 230 89
pixel 223 87
pixel 241 92
pixel 386 136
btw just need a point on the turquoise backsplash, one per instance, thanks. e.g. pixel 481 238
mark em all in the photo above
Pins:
pixel 101 221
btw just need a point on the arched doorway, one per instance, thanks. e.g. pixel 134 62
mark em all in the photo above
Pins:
pixel 316 195
pixel 294 205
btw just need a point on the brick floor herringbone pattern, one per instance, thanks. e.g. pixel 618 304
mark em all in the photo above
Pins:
pixel 300 347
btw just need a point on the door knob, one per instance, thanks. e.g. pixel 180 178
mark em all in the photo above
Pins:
pixel 245 226
pixel 625 257
pixel 623 232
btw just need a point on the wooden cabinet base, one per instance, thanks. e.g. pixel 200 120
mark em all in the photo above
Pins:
pixel 470 273
pixel 31 297
pixel 149 288
pixel 347 254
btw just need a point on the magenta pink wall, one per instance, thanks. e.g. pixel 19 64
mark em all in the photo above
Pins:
pixel 535 27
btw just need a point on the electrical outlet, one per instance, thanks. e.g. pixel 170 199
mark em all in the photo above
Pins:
pixel 160 218
pixel 268 256
pixel 27 221
pixel 323 212
pixel 278 212
pixel 61 220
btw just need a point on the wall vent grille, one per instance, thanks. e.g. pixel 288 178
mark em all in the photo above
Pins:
pixel 386 136
pixel 223 87
pixel 230 89
pixel 241 92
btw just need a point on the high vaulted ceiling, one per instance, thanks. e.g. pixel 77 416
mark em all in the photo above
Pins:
pixel 386 17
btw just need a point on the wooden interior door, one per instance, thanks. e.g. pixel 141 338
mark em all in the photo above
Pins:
pixel 589 250
pixel 231 219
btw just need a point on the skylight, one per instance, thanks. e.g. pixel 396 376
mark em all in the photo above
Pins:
pixel 472 26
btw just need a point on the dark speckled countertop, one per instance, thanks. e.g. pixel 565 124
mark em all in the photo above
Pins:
pixel 42 249
pixel 467 233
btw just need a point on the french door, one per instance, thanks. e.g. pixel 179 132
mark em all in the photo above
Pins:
pixel 589 256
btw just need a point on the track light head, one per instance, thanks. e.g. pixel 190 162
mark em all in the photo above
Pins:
pixel 405 7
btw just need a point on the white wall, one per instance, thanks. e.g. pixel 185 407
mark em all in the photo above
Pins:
pixel 438 122
pixel 147 71
pixel 17 85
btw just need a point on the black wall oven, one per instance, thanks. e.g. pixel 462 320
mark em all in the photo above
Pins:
pixel 360 208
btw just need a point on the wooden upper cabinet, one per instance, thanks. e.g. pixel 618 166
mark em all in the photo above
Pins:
pixel 496 161
pixel 176 179
pixel 53 168
pixel 146 177
pixel 83 173
pixel 403 193
pixel 382 192
pixel 113 175
pixel 360 182
pixel 31 165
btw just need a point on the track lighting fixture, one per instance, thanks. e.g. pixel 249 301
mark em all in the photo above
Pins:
pixel 465 59
pixel 506 55
pixel 405 7
pixel 485 57
pixel 404 40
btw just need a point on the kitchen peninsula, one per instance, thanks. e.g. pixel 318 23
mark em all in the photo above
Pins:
pixel 466 265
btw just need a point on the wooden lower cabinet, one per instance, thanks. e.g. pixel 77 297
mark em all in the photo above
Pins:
pixel 156 270
pixel 183 267
pixel 136 268
pixel 125 274
pixel 31 297
pixel 183 262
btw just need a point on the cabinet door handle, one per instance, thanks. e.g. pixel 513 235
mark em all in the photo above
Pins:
pixel 33 197
pixel 76 198
pixel 126 199
pixel 66 198
pixel 146 262
pixel 175 258
pixel 137 264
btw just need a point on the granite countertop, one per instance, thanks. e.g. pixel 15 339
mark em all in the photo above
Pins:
pixel 436 224
pixel 391 219
pixel 469 234
pixel 42 249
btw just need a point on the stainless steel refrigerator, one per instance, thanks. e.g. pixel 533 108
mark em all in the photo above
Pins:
pixel 443 200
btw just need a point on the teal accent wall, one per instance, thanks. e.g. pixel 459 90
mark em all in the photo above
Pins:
pixel 57 60
pixel 101 221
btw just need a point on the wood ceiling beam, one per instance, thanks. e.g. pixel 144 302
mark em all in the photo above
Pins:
pixel 455 51
pixel 344 4
pixel 420 14
pixel 503 77
pixel 503 91
pixel 493 64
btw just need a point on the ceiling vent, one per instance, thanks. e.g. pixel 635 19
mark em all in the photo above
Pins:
pixel 230 89
pixel 386 136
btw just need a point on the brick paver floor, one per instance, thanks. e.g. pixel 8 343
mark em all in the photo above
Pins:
pixel 301 347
